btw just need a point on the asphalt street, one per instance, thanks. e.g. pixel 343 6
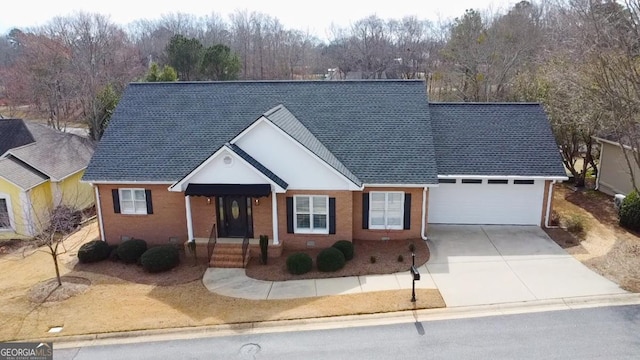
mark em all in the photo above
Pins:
pixel 595 333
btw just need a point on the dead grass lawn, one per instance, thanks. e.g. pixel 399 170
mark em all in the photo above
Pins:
pixel 607 248
pixel 114 302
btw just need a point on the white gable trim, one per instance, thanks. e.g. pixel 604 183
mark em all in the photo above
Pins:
pixel 180 186
pixel 352 186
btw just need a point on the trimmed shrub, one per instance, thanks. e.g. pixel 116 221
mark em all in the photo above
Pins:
pixel 373 259
pixel 113 253
pixel 412 247
pixel 575 224
pixel 160 258
pixel 346 247
pixel 299 263
pixel 400 258
pixel 130 251
pixel 329 260
pixel 630 212
pixel 93 251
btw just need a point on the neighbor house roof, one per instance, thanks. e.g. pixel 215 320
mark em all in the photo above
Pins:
pixel 13 134
pixel 54 153
pixel 380 131
pixel 20 174
pixel 494 139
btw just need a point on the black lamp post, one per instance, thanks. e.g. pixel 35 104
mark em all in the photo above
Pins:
pixel 415 274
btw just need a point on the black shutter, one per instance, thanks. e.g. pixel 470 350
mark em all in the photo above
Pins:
pixel 407 211
pixel 332 215
pixel 116 201
pixel 365 210
pixel 147 195
pixel 290 215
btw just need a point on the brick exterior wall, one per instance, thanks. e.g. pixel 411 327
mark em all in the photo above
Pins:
pixel 368 234
pixel 262 221
pixel 203 215
pixel 168 218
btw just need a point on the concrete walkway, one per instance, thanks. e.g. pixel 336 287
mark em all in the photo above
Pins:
pixel 234 283
pixel 470 265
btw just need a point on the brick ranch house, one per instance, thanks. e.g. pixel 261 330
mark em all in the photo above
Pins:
pixel 310 163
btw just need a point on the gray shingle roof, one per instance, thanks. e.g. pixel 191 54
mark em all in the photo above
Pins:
pixel 54 153
pixel 286 121
pixel 20 174
pixel 494 139
pixel 255 163
pixel 379 130
pixel 13 133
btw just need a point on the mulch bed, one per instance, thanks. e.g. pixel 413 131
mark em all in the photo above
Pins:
pixel 185 272
pixel 50 291
pixel 598 204
pixel 386 254
pixel 562 237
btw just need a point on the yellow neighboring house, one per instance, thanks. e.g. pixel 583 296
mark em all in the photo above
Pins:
pixel 40 169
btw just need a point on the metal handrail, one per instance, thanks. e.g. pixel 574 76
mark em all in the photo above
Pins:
pixel 245 248
pixel 213 239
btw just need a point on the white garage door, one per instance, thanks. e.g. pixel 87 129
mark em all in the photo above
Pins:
pixel 475 201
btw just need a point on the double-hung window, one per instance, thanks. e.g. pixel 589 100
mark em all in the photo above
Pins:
pixel 5 219
pixel 386 210
pixel 133 201
pixel 311 214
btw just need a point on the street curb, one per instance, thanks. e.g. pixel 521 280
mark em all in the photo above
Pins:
pixel 406 316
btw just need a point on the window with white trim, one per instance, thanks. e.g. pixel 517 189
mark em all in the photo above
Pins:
pixel 133 201
pixel 386 210
pixel 311 213
pixel 5 220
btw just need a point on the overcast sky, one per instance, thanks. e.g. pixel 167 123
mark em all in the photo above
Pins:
pixel 313 16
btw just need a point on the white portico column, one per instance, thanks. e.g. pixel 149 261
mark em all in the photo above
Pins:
pixel 187 204
pixel 274 217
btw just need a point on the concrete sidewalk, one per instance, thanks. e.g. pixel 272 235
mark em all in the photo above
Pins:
pixel 234 283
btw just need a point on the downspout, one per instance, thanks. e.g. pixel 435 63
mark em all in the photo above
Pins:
pixel 549 199
pixel 423 225
pixel 274 217
pixel 99 208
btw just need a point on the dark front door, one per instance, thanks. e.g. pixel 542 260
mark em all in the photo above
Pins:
pixel 234 217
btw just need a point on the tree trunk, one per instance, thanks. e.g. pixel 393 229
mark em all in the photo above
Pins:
pixel 54 255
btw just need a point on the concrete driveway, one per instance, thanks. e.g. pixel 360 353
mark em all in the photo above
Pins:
pixel 478 265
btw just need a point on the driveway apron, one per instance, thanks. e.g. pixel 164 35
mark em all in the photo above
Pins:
pixel 492 264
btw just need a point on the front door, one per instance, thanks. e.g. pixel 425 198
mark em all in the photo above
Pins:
pixel 234 220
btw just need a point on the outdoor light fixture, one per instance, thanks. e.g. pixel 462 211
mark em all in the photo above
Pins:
pixel 208 201
pixel 256 201
pixel 415 274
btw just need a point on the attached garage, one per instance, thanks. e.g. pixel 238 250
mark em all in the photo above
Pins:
pixel 487 201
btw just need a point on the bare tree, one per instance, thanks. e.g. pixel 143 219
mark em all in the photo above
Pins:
pixel 611 33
